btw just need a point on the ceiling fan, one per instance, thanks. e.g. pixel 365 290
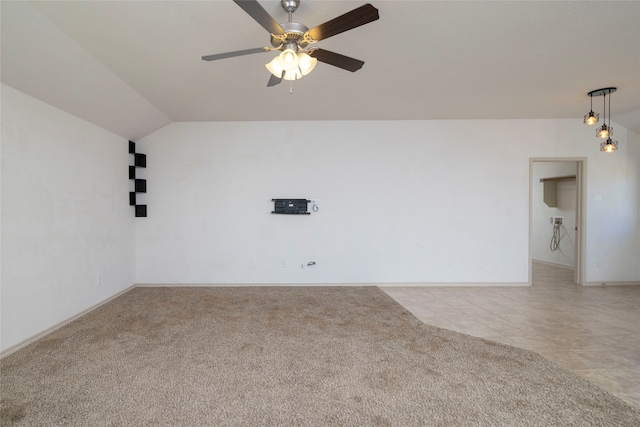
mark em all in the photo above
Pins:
pixel 292 40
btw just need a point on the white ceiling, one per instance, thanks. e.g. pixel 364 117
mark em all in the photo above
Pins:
pixel 134 66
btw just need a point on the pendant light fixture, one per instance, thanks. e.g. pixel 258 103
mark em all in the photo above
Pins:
pixel 609 146
pixel 591 118
pixel 605 131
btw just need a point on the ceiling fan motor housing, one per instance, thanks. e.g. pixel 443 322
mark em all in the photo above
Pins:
pixel 293 32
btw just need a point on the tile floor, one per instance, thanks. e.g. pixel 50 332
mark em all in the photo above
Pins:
pixel 592 331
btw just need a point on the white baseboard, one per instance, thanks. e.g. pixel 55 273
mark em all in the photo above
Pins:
pixel 47 331
pixel 388 285
pixel 241 285
pixel 612 284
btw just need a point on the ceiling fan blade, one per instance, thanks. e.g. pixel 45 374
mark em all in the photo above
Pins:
pixel 337 60
pixel 261 16
pixel 234 53
pixel 273 80
pixel 357 17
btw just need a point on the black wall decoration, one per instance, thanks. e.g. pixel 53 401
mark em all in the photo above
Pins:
pixel 140 185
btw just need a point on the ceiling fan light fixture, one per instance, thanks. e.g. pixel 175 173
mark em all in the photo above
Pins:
pixel 293 65
pixel 291 38
pixel 287 61
pixel 306 63
pixel 274 67
pixel 292 75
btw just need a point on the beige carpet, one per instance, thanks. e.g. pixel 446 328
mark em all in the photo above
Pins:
pixel 304 356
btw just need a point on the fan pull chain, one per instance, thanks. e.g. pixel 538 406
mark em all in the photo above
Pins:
pixel 290 87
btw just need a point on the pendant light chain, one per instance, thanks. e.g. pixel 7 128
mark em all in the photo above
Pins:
pixel 609 113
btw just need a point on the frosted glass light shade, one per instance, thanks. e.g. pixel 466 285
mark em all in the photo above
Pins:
pixel 274 67
pixel 292 75
pixel 287 61
pixel 294 65
pixel 306 63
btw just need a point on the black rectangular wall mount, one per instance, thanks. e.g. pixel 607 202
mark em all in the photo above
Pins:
pixel 132 198
pixel 290 206
pixel 132 147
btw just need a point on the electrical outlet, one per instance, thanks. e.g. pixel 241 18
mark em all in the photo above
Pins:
pixel 558 220
pixel 99 279
pixel 254 264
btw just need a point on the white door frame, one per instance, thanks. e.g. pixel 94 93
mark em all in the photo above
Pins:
pixel 580 236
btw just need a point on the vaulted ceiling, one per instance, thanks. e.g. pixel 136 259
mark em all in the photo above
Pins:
pixel 135 66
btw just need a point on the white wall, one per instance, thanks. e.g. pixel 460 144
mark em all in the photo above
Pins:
pixel 613 214
pixel 541 228
pixel 400 201
pixel 65 217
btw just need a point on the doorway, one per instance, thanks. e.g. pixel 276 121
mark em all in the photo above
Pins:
pixel 556 215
